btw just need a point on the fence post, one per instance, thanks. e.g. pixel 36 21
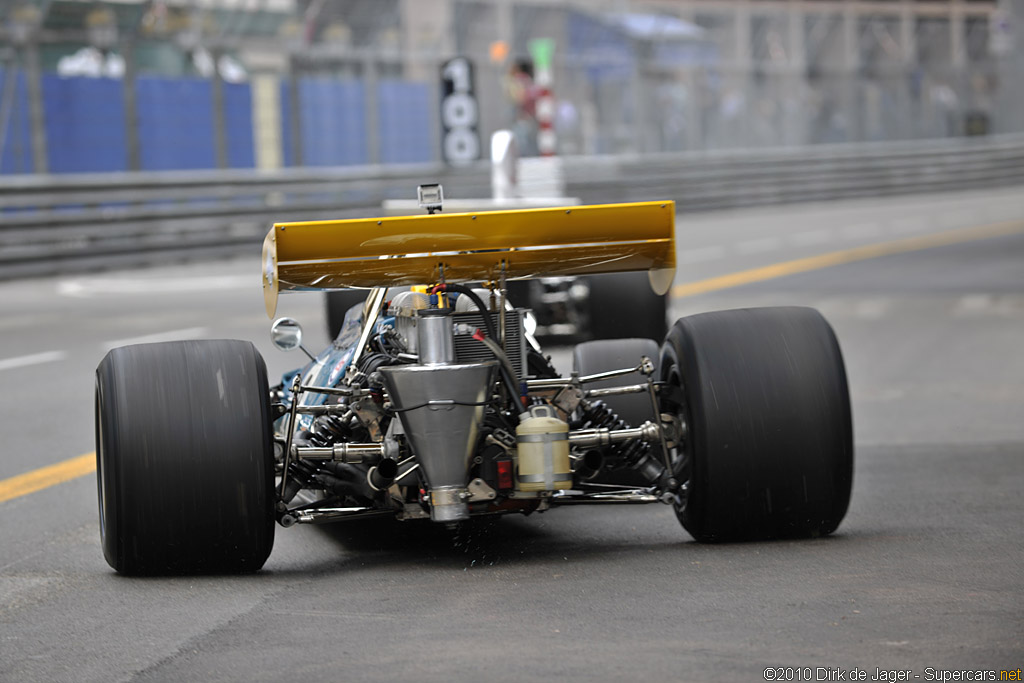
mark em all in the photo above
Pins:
pixel 294 112
pixel 220 146
pixel 131 112
pixel 36 112
pixel 372 109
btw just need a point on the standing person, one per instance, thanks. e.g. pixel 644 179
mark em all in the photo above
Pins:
pixel 522 92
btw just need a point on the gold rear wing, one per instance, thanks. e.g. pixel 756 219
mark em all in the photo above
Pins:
pixel 471 247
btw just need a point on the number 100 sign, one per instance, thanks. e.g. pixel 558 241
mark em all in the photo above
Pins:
pixel 459 113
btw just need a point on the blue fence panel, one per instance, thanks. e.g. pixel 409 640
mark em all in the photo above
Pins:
pixel 403 110
pixel 238 125
pixel 15 128
pixel 175 123
pixel 85 128
pixel 332 117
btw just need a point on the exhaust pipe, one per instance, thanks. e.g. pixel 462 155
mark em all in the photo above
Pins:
pixel 382 475
pixel 587 465
pixel 440 404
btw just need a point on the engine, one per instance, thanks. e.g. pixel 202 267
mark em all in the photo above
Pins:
pixel 432 417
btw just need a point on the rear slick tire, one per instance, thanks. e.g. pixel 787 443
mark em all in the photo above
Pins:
pixel 184 458
pixel 768 451
pixel 623 304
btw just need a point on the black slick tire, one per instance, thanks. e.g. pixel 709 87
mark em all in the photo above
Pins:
pixel 769 446
pixel 624 304
pixel 184 458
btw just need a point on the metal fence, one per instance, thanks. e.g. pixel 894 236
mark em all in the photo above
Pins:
pixel 359 86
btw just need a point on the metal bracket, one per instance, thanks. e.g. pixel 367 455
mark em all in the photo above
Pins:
pixel 501 438
pixel 479 490
pixel 369 414
pixel 567 400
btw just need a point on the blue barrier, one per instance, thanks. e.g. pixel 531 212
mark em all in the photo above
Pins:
pixel 175 123
pixel 85 128
pixel 403 110
pixel 238 132
pixel 332 118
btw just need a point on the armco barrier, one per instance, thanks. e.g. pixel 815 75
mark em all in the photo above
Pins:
pixel 70 223
pixel 704 182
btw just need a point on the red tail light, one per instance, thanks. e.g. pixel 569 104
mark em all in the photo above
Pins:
pixel 504 474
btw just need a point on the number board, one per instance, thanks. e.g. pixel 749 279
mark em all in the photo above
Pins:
pixel 459 112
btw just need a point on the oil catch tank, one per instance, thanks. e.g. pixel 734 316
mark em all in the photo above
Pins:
pixel 542 444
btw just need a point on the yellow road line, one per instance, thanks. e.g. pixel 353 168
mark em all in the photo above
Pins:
pixel 45 477
pixel 836 258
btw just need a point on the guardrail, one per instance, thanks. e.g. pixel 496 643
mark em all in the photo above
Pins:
pixel 71 223
pixel 732 179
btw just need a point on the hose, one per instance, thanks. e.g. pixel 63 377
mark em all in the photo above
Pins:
pixel 477 301
pixel 508 371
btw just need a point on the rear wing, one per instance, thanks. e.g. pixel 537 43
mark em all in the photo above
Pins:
pixel 471 247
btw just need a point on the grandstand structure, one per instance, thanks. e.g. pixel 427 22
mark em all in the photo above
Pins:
pixel 157 85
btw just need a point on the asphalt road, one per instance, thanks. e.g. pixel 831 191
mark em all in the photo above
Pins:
pixel 926 573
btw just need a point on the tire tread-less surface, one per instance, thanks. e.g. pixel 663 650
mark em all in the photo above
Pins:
pixel 769 448
pixel 184 458
pixel 623 304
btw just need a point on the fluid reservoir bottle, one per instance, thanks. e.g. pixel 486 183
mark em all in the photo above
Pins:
pixel 542 442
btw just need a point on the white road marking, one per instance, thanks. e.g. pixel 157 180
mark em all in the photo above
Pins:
pixel 903 226
pixel 759 245
pixel 860 231
pixel 170 335
pixel 33 359
pixel 809 237
pixel 963 217
pixel 973 303
pixel 947 220
pixel 702 254
pixel 1005 306
pixel 864 308
pixel 872 309
pixel 95 286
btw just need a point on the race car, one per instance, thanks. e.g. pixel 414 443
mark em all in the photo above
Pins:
pixel 435 405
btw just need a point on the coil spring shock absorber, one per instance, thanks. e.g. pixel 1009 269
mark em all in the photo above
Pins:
pixel 598 415
pixel 635 454
pixel 328 430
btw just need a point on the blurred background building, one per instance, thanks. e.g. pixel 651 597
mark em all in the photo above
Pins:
pixel 182 84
